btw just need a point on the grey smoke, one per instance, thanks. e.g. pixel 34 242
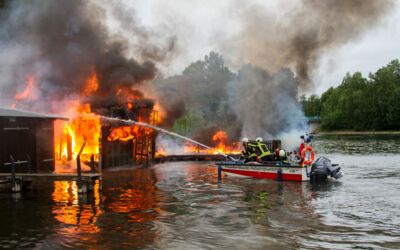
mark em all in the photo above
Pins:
pixel 265 103
pixel 62 43
pixel 302 32
pixel 209 97
pixel 281 51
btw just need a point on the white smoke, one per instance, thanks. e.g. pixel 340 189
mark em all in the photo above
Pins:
pixel 169 145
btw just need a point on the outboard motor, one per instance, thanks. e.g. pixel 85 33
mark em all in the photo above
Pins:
pixel 322 168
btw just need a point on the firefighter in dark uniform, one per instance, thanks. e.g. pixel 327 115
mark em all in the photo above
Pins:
pixel 249 152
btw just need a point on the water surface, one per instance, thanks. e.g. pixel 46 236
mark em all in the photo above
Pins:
pixel 182 206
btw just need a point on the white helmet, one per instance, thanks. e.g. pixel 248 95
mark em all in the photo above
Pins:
pixel 282 153
pixel 244 139
pixel 259 139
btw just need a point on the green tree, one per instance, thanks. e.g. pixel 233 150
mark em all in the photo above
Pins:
pixel 311 105
pixel 359 103
pixel 346 107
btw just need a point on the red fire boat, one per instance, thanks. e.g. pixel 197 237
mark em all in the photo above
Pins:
pixel 320 170
pixel 275 171
pixel 282 166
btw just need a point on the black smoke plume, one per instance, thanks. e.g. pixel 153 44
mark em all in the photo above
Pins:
pixel 62 43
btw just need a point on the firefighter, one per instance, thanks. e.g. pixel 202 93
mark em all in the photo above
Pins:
pixel 305 141
pixel 263 153
pixel 281 155
pixel 249 152
pixel 245 152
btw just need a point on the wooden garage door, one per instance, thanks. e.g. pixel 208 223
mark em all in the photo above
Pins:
pixel 18 142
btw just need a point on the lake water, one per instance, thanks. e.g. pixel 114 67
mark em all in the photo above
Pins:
pixel 182 206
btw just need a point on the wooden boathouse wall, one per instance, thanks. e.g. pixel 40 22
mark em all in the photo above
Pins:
pixel 138 150
pixel 28 137
pixel 122 153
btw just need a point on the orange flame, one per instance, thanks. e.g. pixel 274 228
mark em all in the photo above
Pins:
pixel 161 152
pixel 27 93
pixel 220 138
pixel 126 133
pixel 83 129
pixel 91 85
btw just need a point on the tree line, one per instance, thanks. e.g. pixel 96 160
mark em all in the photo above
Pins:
pixel 360 103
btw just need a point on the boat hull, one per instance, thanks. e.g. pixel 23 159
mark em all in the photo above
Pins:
pixel 266 171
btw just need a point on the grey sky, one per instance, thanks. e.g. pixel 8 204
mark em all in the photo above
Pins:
pixel 202 26
pixel 373 50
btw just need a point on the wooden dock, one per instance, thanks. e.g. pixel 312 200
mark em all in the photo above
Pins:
pixel 52 176
pixel 85 181
pixel 193 157
pixel 17 181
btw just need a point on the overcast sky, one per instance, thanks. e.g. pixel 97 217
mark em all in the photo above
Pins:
pixel 373 50
pixel 201 26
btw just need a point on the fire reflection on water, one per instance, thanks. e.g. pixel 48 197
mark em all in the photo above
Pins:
pixel 128 206
pixel 71 210
pixel 137 198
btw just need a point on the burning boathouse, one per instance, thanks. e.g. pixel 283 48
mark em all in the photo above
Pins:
pixel 103 131
pixel 123 144
pixel 42 143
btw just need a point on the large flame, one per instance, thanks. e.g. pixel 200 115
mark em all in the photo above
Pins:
pixel 80 135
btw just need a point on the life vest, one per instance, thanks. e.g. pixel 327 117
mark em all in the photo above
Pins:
pixel 263 150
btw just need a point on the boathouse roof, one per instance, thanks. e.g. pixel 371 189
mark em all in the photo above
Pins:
pixel 6 112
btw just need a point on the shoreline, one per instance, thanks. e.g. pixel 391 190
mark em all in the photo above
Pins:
pixel 349 132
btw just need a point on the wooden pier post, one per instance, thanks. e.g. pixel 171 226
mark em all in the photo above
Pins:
pixel 82 188
pixel 100 172
pixel 91 181
pixel 219 173
pixel 279 172
pixel 92 164
pixel 15 186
